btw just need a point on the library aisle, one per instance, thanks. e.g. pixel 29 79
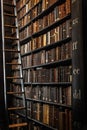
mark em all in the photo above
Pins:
pixel 43 66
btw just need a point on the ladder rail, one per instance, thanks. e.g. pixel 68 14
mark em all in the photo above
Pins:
pixel 4 67
pixel 19 55
pixel 20 60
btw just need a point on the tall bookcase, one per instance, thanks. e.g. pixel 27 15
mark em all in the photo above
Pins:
pixel 46 48
pixel 52 46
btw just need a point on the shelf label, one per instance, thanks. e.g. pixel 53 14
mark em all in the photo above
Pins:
pixel 77 94
pixel 75 45
pixel 75 21
pixel 76 71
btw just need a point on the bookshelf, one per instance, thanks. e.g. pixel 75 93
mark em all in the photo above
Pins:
pixel 53 75
pixel 46 48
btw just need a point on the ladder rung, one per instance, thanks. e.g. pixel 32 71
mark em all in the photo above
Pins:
pixel 11 38
pixel 10 50
pixel 15 108
pixel 5 3
pixel 17 125
pixel 10 15
pixel 10 26
pixel 15 92
pixel 13 63
pixel 16 77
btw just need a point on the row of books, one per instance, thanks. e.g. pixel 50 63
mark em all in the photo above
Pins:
pixel 41 75
pixel 20 4
pixel 55 94
pixel 28 4
pixel 57 13
pixel 60 32
pixel 40 41
pixel 29 13
pixel 50 115
pixel 47 56
pixel 58 74
pixel 55 54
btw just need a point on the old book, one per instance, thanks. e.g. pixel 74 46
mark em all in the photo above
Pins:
pixel 61 120
pixel 45 113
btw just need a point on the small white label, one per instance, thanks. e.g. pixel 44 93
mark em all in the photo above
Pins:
pixel 76 71
pixel 75 45
pixel 75 21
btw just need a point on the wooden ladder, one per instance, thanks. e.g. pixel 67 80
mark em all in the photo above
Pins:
pixel 14 94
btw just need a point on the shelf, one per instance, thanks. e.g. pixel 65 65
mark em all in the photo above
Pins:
pixel 45 12
pixel 23 41
pixel 51 67
pixel 50 103
pixel 64 84
pixel 48 10
pixel 53 25
pixel 48 28
pixel 40 123
pixel 28 11
pixel 21 8
pixel 51 64
pixel 47 47
pixel 35 121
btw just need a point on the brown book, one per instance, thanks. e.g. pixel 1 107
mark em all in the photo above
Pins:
pixel 60 32
pixel 43 57
pixel 51 115
pixel 40 41
pixel 52 36
pixel 38 111
pixel 53 54
pixel 68 28
pixel 51 2
pixel 43 5
pixel 48 38
pixel 44 40
pixel 61 120
pixel 64 30
pixel 56 13
pixel 68 6
pixel 57 31
pixel 68 95
pixel 56 117
pixel 45 113
pixel 58 53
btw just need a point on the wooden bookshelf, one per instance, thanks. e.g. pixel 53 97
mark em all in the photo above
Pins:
pixel 45 36
pixel 53 47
